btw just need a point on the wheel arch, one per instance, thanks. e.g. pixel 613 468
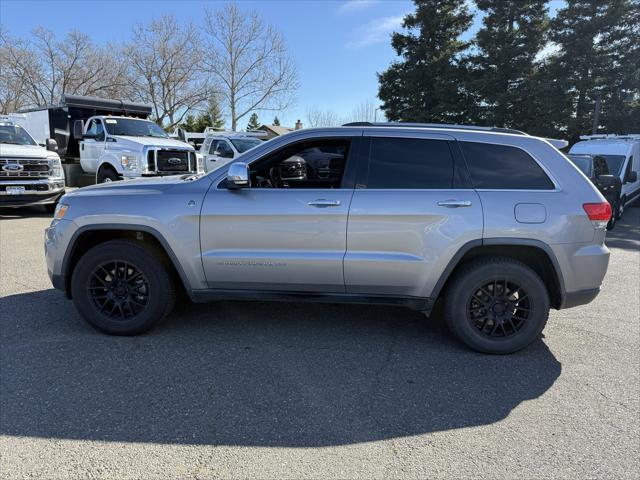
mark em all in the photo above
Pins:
pixel 535 254
pixel 90 236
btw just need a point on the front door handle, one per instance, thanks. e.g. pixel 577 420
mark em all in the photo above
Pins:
pixel 455 203
pixel 322 203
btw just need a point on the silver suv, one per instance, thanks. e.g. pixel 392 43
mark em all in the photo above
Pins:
pixel 497 226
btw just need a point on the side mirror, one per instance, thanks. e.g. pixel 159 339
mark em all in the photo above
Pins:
pixel 238 176
pixel 51 145
pixel 632 177
pixel 77 129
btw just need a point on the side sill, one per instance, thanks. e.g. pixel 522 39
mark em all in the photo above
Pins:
pixel 211 295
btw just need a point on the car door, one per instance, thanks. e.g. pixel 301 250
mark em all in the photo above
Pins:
pixel 287 232
pixel 412 211
pixel 91 148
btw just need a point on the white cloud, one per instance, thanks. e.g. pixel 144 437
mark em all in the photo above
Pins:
pixel 355 5
pixel 376 31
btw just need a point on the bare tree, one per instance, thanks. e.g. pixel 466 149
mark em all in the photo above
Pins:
pixel 44 68
pixel 365 111
pixel 249 61
pixel 321 118
pixel 163 58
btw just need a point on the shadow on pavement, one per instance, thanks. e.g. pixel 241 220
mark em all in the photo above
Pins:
pixel 8 213
pixel 253 374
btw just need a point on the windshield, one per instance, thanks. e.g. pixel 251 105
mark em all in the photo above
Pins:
pixel 131 127
pixel 614 162
pixel 244 144
pixel 15 135
pixel 582 162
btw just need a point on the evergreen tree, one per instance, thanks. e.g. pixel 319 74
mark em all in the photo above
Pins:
pixel 621 83
pixel 507 44
pixel 253 122
pixel 276 121
pixel 427 85
pixel 215 114
pixel 598 56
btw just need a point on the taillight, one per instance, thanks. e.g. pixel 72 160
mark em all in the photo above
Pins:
pixel 598 212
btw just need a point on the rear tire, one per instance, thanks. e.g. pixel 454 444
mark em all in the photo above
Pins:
pixel 106 175
pixel 122 287
pixel 496 305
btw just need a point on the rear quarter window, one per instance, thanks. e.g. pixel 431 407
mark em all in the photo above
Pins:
pixel 501 167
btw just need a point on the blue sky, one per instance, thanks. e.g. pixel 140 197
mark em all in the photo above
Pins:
pixel 338 45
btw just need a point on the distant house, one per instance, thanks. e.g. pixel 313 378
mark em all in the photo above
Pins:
pixel 276 130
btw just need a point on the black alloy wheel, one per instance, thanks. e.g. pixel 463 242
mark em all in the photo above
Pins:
pixel 119 290
pixel 499 309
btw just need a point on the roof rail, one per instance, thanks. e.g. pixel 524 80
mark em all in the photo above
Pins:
pixel 611 136
pixel 444 126
pixel 249 133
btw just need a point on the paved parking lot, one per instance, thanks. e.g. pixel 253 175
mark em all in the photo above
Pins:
pixel 281 390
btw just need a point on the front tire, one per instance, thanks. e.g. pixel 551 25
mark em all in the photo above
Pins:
pixel 496 305
pixel 106 175
pixel 122 287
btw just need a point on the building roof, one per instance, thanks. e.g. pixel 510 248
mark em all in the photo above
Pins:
pixel 277 129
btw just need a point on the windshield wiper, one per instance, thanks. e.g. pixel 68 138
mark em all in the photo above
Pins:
pixel 13 143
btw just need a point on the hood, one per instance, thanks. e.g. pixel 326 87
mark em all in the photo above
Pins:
pixel 140 186
pixel 128 142
pixel 30 151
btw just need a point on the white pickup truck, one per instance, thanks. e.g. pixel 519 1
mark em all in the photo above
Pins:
pixel 30 174
pixel 115 148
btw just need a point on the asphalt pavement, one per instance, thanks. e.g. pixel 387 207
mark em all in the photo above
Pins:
pixel 293 390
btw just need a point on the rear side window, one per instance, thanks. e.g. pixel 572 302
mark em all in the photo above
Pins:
pixel 410 163
pixel 500 167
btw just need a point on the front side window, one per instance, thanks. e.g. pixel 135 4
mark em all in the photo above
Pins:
pixel 96 130
pixel 15 135
pixel 212 148
pixel 410 163
pixel 224 150
pixel 311 164
pixel 501 167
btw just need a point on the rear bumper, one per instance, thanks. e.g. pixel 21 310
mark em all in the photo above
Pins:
pixel 582 297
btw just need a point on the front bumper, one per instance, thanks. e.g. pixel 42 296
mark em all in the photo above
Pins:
pixel 56 239
pixel 37 192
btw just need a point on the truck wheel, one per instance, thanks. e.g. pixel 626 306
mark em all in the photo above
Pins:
pixel 106 175
pixel 122 288
pixel 496 305
pixel 614 215
pixel 50 208
pixel 621 203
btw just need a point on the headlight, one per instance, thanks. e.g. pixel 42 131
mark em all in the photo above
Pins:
pixel 129 161
pixel 56 167
pixel 61 210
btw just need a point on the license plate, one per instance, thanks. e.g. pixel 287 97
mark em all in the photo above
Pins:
pixel 16 190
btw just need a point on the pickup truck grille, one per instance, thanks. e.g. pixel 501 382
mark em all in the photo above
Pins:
pixel 24 168
pixel 170 162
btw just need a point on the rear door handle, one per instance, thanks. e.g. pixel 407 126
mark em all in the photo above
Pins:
pixel 455 203
pixel 322 203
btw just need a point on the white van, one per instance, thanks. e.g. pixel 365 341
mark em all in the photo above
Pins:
pixel 622 154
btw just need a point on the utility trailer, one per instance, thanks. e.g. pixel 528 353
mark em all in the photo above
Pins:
pixel 56 122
